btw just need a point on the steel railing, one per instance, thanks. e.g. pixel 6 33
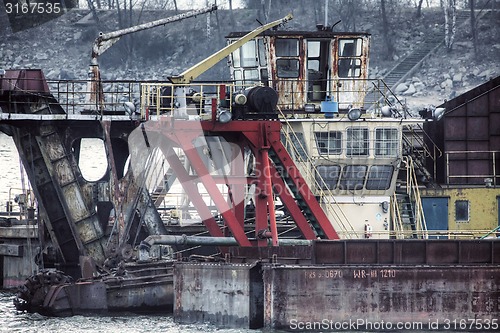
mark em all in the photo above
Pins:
pixel 488 179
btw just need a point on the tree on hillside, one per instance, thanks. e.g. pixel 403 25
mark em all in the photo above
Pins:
pixel 260 6
pixel 231 13
pixel 390 50
pixel 419 8
pixel 265 8
pixel 129 13
pixel 473 25
pixel 92 8
pixel 349 12
pixel 450 22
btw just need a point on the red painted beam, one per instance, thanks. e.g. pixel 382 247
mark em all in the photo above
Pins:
pixel 212 189
pixel 192 191
pixel 245 127
pixel 260 201
pixel 235 180
pixel 257 135
pixel 265 168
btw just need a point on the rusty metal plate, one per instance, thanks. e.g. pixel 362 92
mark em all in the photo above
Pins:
pixel 393 294
pixel 407 252
pixel 11 250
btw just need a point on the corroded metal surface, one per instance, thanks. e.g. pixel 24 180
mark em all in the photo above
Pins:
pixel 350 91
pixel 468 151
pixel 384 293
pixel 291 91
pixel 225 295
pixel 76 212
pixel 19 231
pixel 341 71
pixel 132 287
pixel 14 250
pixel 418 283
pixel 407 252
pixel 23 80
pixel 285 254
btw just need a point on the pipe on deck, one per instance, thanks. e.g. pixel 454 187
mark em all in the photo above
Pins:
pixel 151 240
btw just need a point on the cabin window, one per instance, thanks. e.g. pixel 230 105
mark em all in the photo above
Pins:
pixel 462 211
pixel 245 56
pixel 327 176
pixel 353 177
pixel 236 58
pixel 349 68
pixel 312 68
pixel 249 54
pixel 251 75
pixel 238 77
pixel 350 47
pixel 349 63
pixel 329 143
pixel 287 52
pixel 386 142
pixel 287 47
pixel 313 55
pixel 316 64
pixel 357 142
pixel 379 177
pixel 287 68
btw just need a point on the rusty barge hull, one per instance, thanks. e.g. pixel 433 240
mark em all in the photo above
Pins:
pixel 338 282
pixel 376 294
pixel 83 298
pixel 135 287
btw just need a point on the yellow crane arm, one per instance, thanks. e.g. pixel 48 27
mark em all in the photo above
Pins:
pixel 192 73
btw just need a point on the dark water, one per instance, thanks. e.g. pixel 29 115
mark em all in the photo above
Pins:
pixel 15 321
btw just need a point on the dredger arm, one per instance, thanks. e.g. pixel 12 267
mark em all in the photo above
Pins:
pixel 95 96
pixel 192 73
pixel 106 40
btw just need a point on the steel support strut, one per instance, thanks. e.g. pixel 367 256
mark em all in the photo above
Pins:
pixel 267 185
pixel 275 174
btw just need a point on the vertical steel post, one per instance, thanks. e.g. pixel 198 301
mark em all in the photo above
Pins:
pixel 268 187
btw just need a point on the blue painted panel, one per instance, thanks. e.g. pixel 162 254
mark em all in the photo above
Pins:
pixel 436 214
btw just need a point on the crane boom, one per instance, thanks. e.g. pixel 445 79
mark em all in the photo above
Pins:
pixel 106 40
pixel 95 97
pixel 192 73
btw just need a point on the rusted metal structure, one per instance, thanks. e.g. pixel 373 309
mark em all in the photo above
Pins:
pixel 469 136
pixel 284 164
pixel 361 282
pixel 468 171
pixel 77 212
pixel 304 67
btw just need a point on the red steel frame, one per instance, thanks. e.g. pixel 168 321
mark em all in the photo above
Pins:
pixel 260 136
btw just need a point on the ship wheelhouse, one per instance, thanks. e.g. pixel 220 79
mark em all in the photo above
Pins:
pixel 305 68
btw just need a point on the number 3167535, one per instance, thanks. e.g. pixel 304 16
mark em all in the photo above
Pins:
pixel 33 8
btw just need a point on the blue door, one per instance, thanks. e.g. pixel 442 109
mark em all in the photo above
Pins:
pixel 436 214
